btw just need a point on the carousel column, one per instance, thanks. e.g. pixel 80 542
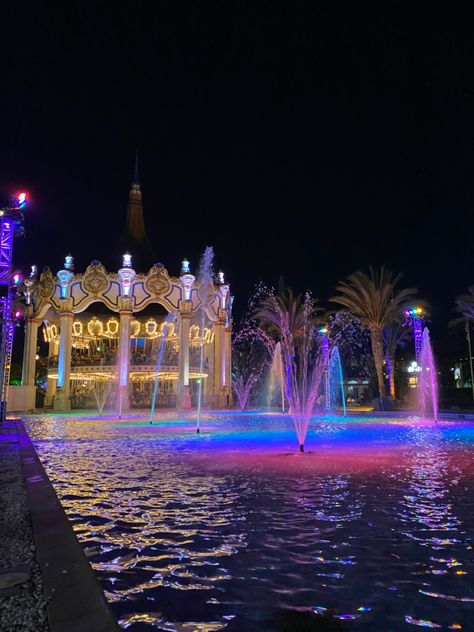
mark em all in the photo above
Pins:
pixel 183 400
pixel 218 358
pixel 29 361
pixel 228 364
pixel 63 384
pixel 51 386
pixel 124 356
pixel 223 342
pixel 63 388
pixel 126 275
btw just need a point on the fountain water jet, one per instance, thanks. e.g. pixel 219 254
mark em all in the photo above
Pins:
pixel 336 380
pixel 277 377
pixel 252 353
pixel 159 361
pixel 427 390
pixel 101 390
pixel 205 280
pixel 293 318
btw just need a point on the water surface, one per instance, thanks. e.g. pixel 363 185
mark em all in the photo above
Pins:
pixel 233 529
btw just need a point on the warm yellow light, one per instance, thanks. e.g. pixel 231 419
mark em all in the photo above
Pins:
pixel 151 327
pixel 77 328
pixel 95 327
pixel 112 327
pixel 135 328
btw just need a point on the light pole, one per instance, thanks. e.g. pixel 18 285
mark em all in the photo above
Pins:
pixel 324 333
pixel 11 225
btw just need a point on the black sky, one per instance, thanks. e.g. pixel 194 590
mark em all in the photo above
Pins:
pixel 304 139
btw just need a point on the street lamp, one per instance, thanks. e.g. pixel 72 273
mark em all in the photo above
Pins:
pixel 11 225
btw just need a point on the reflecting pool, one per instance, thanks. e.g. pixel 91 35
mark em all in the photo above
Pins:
pixel 233 529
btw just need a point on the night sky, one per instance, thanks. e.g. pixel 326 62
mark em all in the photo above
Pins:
pixel 303 139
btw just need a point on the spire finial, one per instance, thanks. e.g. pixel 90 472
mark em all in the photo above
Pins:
pixel 136 179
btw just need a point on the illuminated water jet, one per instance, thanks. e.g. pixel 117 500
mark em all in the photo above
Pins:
pixel 427 390
pixel 276 378
pixel 336 381
pixel 159 360
pixel 205 281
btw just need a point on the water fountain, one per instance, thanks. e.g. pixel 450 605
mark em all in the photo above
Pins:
pixel 336 381
pixel 159 360
pixel 252 354
pixel 205 281
pixel 427 390
pixel 276 378
pixel 101 390
pixel 304 366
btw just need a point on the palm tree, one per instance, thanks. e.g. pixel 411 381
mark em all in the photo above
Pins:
pixel 465 305
pixel 289 318
pixel 394 335
pixel 375 299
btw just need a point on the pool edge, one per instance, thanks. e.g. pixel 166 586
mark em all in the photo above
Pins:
pixel 75 599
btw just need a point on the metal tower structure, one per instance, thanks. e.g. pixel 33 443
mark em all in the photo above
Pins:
pixel 11 225
pixel 415 316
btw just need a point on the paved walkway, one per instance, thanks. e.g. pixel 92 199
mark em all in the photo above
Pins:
pixel 63 594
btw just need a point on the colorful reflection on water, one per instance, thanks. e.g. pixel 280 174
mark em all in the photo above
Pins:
pixel 233 529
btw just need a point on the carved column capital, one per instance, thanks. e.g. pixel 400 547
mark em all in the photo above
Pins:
pixel 185 308
pixel 65 307
pixel 125 304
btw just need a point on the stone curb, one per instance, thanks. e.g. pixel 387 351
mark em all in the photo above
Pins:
pixel 75 600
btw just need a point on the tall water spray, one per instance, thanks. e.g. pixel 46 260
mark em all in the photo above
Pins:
pixel 277 377
pixel 101 390
pixel 305 367
pixel 336 381
pixel 159 361
pixel 427 390
pixel 205 283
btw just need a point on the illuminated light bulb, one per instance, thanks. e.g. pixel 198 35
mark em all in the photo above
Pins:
pixel 21 198
pixel 18 314
pixel 185 266
pixel 17 278
pixel 127 260
pixel 37 356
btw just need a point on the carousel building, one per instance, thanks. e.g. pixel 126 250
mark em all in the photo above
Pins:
pixel 109 335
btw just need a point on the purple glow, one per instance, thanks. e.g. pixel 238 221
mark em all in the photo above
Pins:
pixel 427 382
pixel 418 336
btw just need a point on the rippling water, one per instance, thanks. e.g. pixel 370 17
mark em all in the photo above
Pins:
pixel 370 530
